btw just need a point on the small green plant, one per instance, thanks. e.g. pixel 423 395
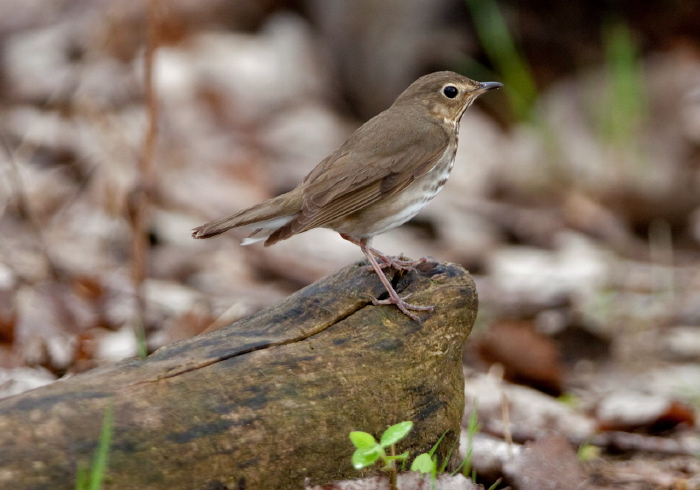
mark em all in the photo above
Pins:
pixel 369 451
pixel 92 479
pixel 472 428
pixel 426 463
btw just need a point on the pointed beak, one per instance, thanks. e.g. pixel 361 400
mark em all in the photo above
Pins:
pixel 486 86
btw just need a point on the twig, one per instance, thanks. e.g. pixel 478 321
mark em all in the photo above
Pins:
pixel 505 413
pixel 141 195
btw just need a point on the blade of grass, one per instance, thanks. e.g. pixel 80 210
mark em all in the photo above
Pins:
pixel 624 105
pixel 495 484
pixel 446 461
pixel 500 47
pixel 82 478
pixel 92 478
pixel 435 446
pixel 472 428
pixel 99 464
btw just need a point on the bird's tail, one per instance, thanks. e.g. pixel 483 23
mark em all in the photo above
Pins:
pixel 267 217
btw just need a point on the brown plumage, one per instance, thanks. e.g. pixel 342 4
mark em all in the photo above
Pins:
pixel 378 179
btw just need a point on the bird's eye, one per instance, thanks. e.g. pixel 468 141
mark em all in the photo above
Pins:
pixel 450 91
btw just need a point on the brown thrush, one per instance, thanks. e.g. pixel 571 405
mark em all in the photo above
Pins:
pixel 389 168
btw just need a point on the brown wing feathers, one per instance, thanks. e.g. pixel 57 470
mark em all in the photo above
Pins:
pixel 323 204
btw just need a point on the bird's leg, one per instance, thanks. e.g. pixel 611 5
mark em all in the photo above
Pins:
pixel 397 263
pixel 387 260
pixel 394 298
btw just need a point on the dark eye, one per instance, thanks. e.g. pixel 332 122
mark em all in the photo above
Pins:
pixel 450 91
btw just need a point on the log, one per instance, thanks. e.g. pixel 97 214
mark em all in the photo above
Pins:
pixel 265 402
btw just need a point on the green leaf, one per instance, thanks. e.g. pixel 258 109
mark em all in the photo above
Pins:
pixel 364 457
pixel 395 433
pixel 423 464
pixel 362 440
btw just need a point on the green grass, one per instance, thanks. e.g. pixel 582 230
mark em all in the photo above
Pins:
pixel 623 106
pixel 141 342
pixel 472 428
pixel 92 478
pixel 511 66
pixel 619 109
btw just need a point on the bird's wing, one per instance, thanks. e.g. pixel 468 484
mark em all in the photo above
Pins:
pixel 350 180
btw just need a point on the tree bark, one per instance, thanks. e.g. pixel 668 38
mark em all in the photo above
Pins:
pixel 265 402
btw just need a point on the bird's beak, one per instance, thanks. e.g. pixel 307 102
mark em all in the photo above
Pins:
pixel 486 86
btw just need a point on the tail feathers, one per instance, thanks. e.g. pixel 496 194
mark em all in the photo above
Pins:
pixel 250 241
pixel 267 216
pixel 255 239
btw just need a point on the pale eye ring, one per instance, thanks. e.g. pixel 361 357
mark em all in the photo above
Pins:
pixel 450 91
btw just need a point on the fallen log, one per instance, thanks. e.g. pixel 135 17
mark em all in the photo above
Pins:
pixel 265 402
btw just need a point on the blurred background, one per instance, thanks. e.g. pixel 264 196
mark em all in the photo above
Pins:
pixel 575 198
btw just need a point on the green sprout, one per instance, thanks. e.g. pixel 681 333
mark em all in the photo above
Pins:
pixel 426 463
pixel 369 451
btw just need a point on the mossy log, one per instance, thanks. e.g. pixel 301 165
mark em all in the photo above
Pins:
pixel 265 402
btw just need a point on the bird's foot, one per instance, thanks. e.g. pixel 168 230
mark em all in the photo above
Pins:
pixel 398 263
pixel 395 299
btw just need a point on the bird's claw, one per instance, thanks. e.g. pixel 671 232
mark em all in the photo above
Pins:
pixel 403 306
pixel 398 263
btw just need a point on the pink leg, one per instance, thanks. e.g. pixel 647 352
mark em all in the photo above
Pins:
pixel 398 264
pixel 394 298
pixel 387 260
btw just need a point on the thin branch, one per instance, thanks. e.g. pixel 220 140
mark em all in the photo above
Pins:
pixel 141 196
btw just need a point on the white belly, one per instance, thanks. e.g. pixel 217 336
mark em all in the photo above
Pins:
pixel 409 206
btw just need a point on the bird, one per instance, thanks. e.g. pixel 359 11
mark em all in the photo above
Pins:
pixel 380 178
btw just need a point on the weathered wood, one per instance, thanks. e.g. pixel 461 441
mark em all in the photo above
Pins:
pixel 264 402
